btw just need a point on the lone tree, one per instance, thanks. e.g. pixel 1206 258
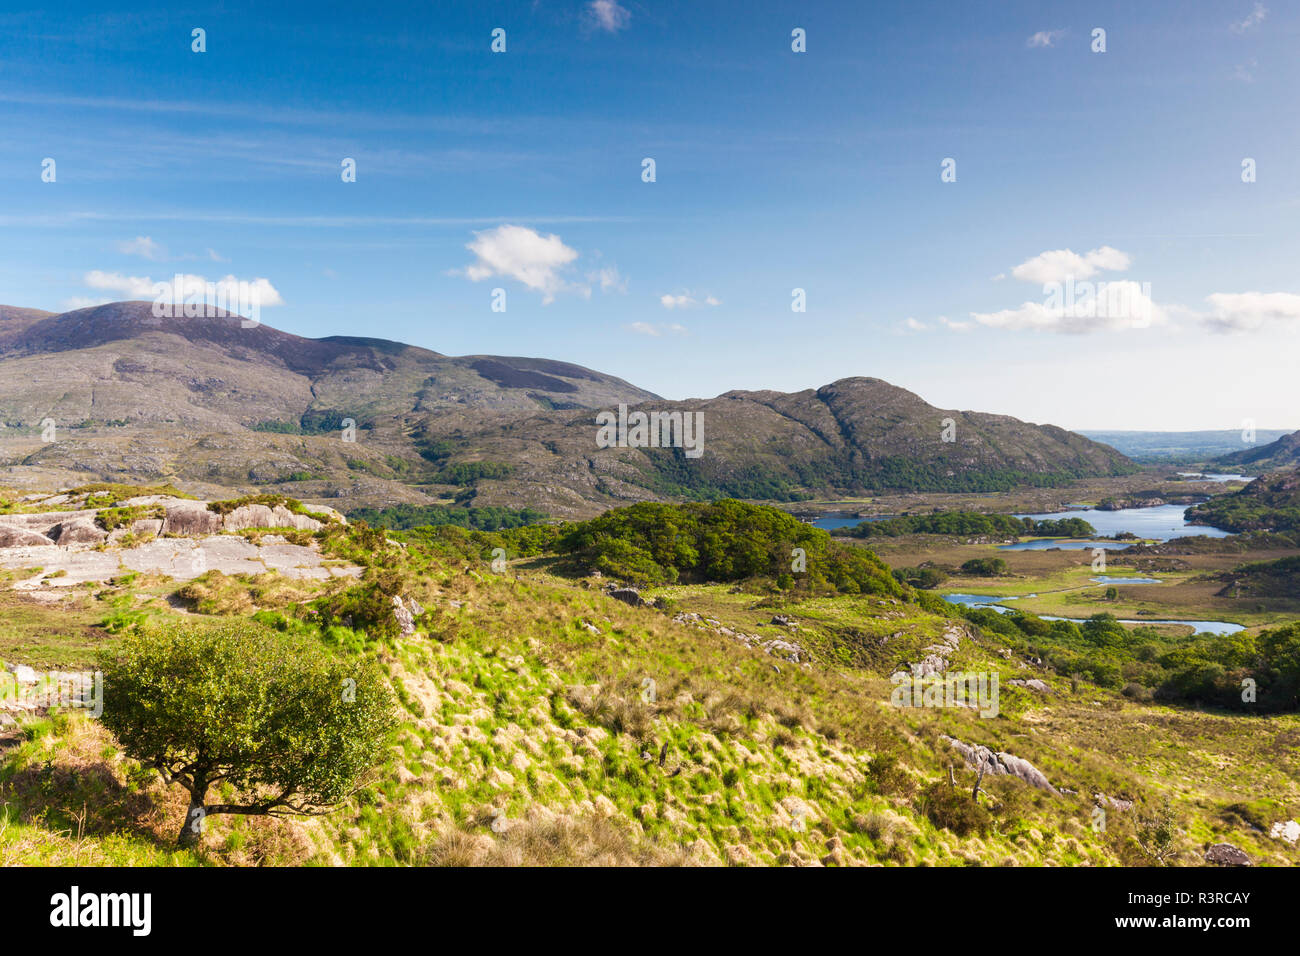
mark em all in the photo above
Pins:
pixel 281 724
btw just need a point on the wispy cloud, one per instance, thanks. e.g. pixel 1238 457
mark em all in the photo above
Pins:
pixel 251 219
pixel 657 330
pixel 608 15
pixel 142 246
pixel 1044 38
pixel 687 300
pixel 1251 20
pixel 609 279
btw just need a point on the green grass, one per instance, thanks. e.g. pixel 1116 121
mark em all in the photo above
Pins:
pixel 529 739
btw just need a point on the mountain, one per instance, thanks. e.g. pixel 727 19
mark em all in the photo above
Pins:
pixel 209 403
pixel 857 435
pixel 1277 454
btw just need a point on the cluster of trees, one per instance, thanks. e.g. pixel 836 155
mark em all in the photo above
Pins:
pixel 972 523
pixel 725 540
pixel 1267 509
pixel 675 475
pixel 314 422
pixel 927 577
pixel 686 478
pixel 468 472
pixel 1245 672
pixel 406 516
pixel 985 567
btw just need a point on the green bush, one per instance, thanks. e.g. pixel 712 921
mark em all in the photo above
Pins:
pixel 954 809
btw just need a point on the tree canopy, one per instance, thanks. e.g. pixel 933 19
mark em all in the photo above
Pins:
pixel 279 723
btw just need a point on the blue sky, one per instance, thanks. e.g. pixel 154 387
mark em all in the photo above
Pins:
pixel 775 170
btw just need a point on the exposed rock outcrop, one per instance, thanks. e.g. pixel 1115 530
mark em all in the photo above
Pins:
pixel 405 613
pixel 262 516
pixel 627 595
pixel 11 537
pixel 191 518
pixel 937 656
pixel 1225 854
pixel 77 531
pixel 1000 762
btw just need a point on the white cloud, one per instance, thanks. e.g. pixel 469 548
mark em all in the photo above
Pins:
pixel 608 15
pixel 948 323
pixel 1254 18
pixel 83 302
pixel 1250 311
pixel 912 325
pixel 1109 306
pixel 649 328
pixel 1044 38
pixel 130 287
pixel 142 246
pixel 144 287
pixel 216 257
pixel 687 300
pixel 523 254
pixel 1058 265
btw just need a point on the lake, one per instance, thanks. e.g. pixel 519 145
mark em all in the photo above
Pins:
pixel 836 520
pixel 1205 476
pixel 983 600
pixel 1160 522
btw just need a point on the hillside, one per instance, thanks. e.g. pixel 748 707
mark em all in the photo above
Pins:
pixel 1269 503
pixel 551 718
pixel 1283 453
pixel 220 408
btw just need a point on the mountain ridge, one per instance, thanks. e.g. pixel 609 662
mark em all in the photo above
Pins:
pixel 210 402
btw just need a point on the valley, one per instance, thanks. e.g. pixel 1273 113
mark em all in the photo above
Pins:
pixel 606 652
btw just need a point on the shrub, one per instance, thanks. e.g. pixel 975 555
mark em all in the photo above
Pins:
pixel 953 808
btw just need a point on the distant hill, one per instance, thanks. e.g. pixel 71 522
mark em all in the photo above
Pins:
pixel 1174 447
pixel 209 403
pixel 1269 503
pixel 1283 452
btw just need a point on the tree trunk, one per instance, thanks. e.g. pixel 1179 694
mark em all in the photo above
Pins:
pixel 192 829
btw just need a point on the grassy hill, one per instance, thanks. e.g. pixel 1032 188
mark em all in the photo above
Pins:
pixel 737 722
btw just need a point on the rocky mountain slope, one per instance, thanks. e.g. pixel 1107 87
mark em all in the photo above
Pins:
pixel 218 408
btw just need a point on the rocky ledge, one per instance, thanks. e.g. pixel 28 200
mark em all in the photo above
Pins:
pixel 156 534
